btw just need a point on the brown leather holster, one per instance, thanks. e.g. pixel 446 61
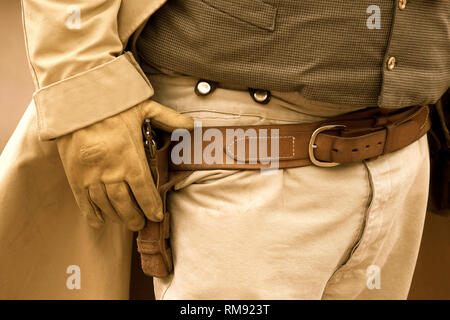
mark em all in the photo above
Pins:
pixel 153 240
pixel 353 137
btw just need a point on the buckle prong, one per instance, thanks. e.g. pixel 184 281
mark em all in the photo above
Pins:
pixel 313 145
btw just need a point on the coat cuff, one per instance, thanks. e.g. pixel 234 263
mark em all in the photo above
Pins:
pixel 91 96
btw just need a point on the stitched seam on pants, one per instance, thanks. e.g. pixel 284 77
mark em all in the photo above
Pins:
pixel 375 213
pixel 167 288
pixel 258 116
pixel 367 215
pixel 377 225
pixel 337 274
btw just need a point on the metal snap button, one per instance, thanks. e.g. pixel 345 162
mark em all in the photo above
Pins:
pixel 204 87
pixel 260 95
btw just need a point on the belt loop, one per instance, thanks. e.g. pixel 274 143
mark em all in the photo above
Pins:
pixel 390 127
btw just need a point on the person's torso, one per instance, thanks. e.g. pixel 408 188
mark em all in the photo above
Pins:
pixel 333 51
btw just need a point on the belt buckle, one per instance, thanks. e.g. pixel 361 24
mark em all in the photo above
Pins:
pixel 312 145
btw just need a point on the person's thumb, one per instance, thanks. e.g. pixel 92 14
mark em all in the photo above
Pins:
pixel 165 118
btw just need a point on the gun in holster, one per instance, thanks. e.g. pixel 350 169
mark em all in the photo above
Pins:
pixel 439 142
pixel 153 240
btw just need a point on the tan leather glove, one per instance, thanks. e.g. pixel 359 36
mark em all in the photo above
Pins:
pixel 107 168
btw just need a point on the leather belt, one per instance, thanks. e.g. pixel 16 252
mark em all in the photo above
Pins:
pixel 349 138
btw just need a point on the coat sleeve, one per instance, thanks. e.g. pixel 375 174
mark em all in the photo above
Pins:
pixel 81 72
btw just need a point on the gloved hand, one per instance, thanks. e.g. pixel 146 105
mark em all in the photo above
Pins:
pixel 107 169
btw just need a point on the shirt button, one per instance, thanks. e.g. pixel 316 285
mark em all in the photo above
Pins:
pixel 402 4
pixel 391 63
pixel 260 96
pixel 204 88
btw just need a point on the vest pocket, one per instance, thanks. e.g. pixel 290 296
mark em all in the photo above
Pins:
pixel 255 12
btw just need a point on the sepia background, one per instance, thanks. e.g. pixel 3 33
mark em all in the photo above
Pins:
pixel 432 276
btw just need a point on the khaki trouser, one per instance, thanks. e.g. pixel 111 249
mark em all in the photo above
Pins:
pixel 348 232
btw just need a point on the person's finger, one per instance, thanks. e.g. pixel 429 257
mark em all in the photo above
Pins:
pixel 90 211
pixel 125 206
pixel 147 197
pixel 165 118
pixel 97 194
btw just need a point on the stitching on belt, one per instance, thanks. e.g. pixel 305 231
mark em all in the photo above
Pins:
pixel 231 153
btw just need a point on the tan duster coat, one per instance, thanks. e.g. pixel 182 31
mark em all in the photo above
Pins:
pixel 83 74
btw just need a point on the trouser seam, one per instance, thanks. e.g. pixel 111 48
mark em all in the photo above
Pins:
pixel 365 231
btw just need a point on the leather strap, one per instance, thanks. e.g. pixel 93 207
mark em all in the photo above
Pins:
pixel 367 134
pixel 153 240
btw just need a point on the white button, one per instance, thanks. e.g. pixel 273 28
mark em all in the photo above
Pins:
pixel 402 4
pixel 203 87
